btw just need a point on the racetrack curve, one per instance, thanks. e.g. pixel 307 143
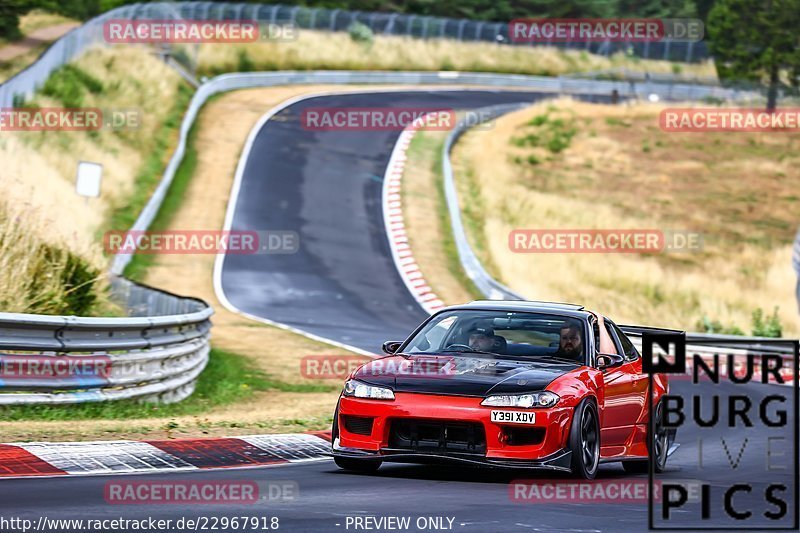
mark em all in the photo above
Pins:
pixel 343 285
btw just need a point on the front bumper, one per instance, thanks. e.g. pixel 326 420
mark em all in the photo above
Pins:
pixel 500 444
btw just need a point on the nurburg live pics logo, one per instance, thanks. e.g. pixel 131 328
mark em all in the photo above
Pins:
pixel 740 405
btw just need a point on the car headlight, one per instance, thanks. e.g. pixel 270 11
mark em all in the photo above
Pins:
pixel 536 399
pixel 358 389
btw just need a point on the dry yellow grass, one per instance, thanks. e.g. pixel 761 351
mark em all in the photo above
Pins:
pixel 322 50
pixel 39 168
pixel 621 171
pixel 427 224
pixel 33 274
pixel 37 19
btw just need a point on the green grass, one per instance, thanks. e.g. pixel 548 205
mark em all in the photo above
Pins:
pixel 473 215
pixel 137 268
pixel 227 378
pixel 420 144
pixel 123 216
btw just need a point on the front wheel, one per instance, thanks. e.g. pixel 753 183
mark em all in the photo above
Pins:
pixel 584 440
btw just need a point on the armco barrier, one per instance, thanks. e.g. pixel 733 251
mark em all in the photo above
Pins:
pixel 155 354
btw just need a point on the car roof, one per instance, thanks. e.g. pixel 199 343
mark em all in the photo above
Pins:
pixel 564 309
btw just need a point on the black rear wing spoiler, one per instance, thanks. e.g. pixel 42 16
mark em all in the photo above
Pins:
pixel 639 330
pixel 760 344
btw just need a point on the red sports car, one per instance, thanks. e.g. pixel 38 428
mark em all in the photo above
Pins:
pixel 511 384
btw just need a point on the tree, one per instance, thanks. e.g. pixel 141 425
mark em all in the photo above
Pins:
pixel 756 41
pixel 10 11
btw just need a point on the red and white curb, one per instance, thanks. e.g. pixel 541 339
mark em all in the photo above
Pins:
pixel 131 457
pixel 396 229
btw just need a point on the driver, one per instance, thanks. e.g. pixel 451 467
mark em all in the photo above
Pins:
pixel 481 339
pixel 570 344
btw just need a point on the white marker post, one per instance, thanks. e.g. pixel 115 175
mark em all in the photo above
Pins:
pixel 89 178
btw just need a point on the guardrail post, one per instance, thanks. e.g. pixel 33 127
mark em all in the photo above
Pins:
pixel 334 14
pixel 461 29
pixel 478 31
pixel 410 24
pixel 390 24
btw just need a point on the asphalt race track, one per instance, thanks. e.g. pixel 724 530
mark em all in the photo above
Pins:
pixel 326 186
pixel 342 285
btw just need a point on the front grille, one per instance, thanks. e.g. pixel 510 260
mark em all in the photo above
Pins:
pixel 360 425
pixel 523 436
pixel 437 435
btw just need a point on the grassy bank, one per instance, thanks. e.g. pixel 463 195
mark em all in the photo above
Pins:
pixel 337 51
pixel 568 165
pixel 37 178
pixel 427 220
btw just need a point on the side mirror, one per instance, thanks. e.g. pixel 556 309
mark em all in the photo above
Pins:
pixel 391 347
pixel 609 360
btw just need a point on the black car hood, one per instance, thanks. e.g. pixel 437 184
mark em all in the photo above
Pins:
pixel 461 374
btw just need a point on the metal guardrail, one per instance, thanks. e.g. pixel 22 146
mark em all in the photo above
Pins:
pixel 490 287
pixel 703 343
pixel 155 354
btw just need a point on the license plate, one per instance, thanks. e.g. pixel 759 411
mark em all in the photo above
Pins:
pixel 514 417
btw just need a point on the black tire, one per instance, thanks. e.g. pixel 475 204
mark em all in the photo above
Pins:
pixel 357 465
pixel 584 440
pixel 657 440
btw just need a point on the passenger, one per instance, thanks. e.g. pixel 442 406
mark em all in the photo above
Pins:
pixel 605 344
pixel 499 345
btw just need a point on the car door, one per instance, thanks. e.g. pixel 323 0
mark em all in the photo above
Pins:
pixel 622 404
pixel 639 379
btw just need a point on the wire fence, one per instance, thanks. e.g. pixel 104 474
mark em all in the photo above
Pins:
pixel 24 84
pixel 427 28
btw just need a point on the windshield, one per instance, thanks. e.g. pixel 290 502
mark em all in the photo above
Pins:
pixel 510 334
